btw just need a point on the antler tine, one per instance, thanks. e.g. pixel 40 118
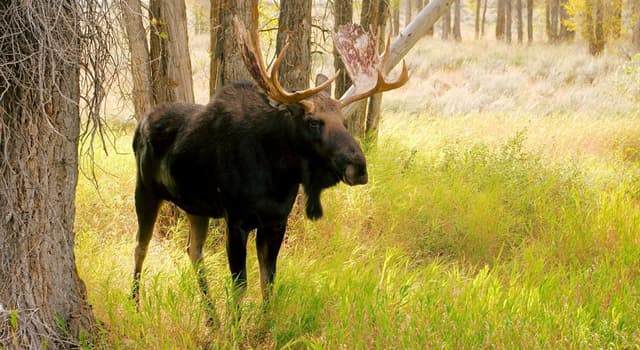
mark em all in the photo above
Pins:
pixel 381 86
pixel 252 57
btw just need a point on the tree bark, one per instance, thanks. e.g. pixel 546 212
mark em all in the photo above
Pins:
pixel 407 12
pixel 343 14
pixel 295 22
pixel 375 101
pixel 231 66
pixel 484 17
pixel 171 62
pixel 142 93
pixel 395 17
pixel 39 135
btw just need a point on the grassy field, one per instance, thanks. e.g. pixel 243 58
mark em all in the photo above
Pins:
pixel 503 211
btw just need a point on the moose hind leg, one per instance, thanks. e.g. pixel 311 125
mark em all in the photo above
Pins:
pixel 197 237
pixel 147 206
pixel 268 242
pixel 237 256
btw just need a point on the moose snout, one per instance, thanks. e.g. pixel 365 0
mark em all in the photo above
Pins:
pixel 356 174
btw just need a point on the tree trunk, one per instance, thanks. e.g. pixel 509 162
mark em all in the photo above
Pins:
pixel 407 12
pixel 295 22
pixel 375 102
pixel 395 20
pixel 530 21
pixel 594 22
pixel 231 66
pixel 343 13
pixel 519 21
pixel 616 18
pixel 446 24
pixel 214 24
pixel 457 35
pixel 500 19
pixel 508 21
pixel 635 35
pixel 430 31
pixel 171 62
pixel 565 33
pixel 142 93
pixel 477 19
pixel 42 298
pixel 484 17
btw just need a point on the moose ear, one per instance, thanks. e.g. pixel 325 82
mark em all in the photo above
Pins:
pixel 321 79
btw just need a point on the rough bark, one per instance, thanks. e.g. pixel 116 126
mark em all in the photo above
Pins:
pixel 227 55
pixel 39 136
pixel 295 22
pixel 171 63
pixel 343 14
pixel 142 93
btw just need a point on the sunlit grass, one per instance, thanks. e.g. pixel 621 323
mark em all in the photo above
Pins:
pixel 507 227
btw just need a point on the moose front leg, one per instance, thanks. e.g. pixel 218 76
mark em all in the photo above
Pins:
pixel 268 242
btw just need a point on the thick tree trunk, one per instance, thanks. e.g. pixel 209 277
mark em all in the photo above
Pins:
pixel 171 62
pixel 142 93
pixel 231 66
pixel 39 128
pixel 295 22
pixel 343 13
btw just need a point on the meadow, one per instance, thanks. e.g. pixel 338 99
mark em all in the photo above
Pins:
pixel 503 211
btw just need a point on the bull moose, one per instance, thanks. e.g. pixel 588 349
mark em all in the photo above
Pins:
pixel 243 156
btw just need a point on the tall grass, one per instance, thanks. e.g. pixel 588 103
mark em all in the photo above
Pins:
pixel 488 222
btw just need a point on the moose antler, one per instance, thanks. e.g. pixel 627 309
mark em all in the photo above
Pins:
pixel 252 56
pixel 359 53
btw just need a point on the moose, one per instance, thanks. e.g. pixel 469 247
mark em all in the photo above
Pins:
pixel 243 157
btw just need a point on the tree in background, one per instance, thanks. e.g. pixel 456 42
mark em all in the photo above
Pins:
pixel 597 21
pixel 556 17
pixel 501 13
pixel 457 35
pixel 295 23
pixel 445 25
pixel 519 21
pixel 635 35
pixel 227 56
pixel 529 21
pixel 54 54
pixel 343 14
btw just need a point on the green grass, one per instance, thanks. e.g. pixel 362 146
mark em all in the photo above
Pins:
pixel 497 216
pixel 461 244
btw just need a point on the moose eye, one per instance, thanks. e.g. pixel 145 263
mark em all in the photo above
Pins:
pixel 314 123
